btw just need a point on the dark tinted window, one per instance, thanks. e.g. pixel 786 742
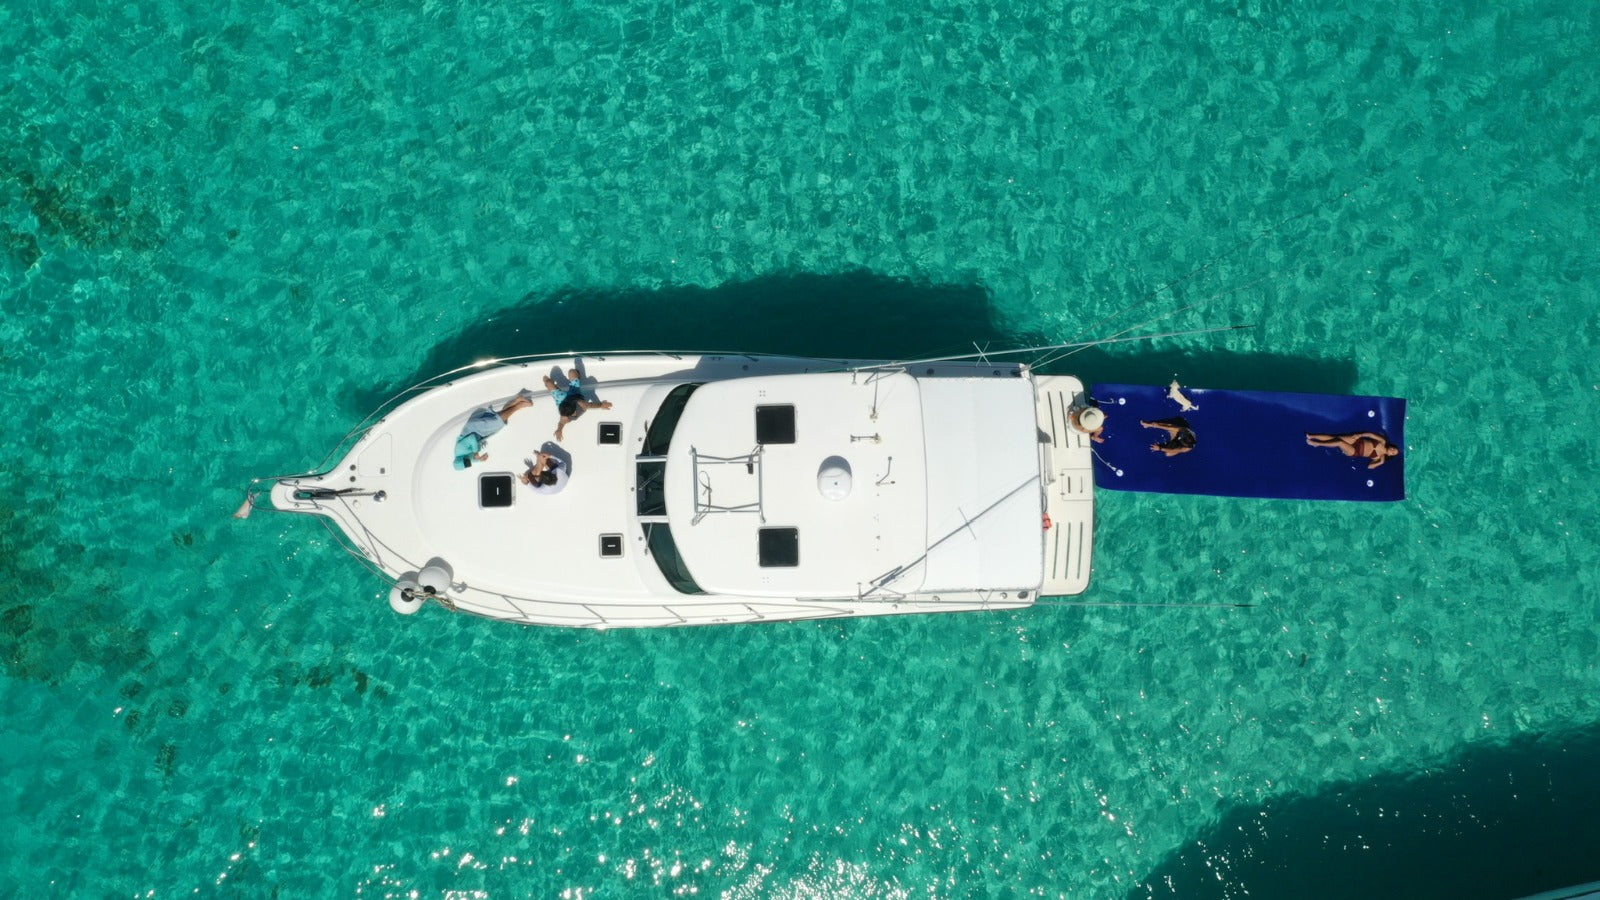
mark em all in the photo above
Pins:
pixel 659 437
pixel 649 494
pixel 658 538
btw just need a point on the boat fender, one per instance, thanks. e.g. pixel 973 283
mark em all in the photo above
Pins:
pixel 436 577
pixel 406 597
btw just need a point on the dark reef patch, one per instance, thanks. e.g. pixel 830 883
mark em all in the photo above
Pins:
pixel 65 612
pixel 318 676
pixel 73 201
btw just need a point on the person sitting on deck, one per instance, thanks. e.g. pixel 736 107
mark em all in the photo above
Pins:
pixel 546 474
pixel 1091 421
pixel 481 425
pixel 1180 436
pixel 1363 444
pixel 570 401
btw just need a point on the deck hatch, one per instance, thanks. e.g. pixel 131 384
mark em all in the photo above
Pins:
pixel 610 432
pixel 494 491
pixel 779 547
pixel 610 545
pixel 775 424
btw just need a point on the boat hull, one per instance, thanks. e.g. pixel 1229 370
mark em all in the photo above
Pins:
pixel 395 502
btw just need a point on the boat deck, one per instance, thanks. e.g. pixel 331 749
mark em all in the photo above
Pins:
pixel 953 470
pixel 1068 467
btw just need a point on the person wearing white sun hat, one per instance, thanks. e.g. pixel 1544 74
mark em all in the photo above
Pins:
pixel 1091 421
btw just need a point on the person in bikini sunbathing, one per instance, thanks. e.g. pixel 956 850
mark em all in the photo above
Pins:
pixel 1362 444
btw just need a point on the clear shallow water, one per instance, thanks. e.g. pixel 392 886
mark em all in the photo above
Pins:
pixel 228 231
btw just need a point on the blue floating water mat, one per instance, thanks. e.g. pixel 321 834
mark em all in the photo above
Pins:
pixel 1247 444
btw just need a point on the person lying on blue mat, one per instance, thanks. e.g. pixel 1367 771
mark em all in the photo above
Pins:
pixel 1364 444
pixel 1180 436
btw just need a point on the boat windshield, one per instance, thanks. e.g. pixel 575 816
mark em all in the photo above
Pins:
pixel 659 437
pixel 658 537
pixel 650 493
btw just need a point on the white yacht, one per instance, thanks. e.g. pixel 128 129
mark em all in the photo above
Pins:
pixel 716 489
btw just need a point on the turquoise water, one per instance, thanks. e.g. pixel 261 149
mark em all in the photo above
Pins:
pixel 230 229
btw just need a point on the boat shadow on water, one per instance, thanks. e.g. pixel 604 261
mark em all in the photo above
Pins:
pixel 1500 821
pixel 850 315
pixel 853 315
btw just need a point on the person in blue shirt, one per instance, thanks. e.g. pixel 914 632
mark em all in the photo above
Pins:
pixel 569 398
pixel 483 424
